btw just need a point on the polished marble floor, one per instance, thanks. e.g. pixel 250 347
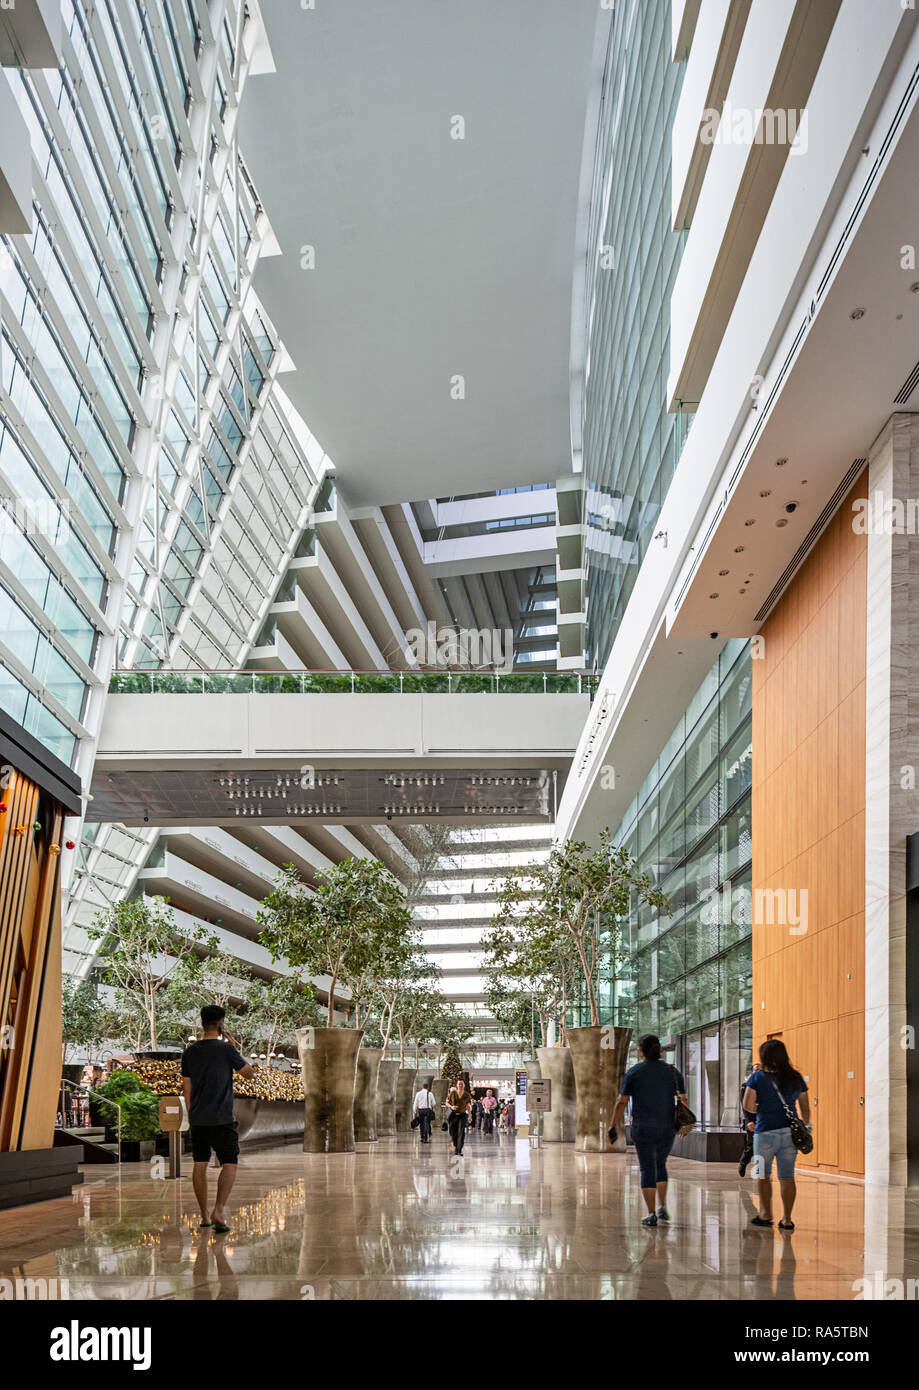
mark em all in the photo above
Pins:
pixel 399 1220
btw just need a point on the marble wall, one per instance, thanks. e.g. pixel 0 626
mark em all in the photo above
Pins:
pixel 892 802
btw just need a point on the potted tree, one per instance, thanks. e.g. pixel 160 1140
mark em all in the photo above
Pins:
pixel 586 885
pixel 533 962
pixel 365 1087
pixel 401 973
pixel 344 928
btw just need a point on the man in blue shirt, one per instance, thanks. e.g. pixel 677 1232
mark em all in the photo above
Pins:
pixel 653 1086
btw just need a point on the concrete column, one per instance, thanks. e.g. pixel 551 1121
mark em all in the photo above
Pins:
pixel 891 808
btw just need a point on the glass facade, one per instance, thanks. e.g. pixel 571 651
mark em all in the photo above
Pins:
pixel 631 442
pixel 154 481
pixel 688 976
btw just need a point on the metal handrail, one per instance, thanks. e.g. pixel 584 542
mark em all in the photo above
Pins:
pixel 90 1093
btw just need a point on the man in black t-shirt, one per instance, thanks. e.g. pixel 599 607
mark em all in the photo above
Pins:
pixel 207 1084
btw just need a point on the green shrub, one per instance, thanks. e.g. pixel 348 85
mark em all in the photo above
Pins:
pixel 140 1107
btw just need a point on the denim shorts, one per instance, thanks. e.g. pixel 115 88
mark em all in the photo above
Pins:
pixel 774 1144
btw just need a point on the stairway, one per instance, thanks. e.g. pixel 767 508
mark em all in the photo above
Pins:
pixel 95 1149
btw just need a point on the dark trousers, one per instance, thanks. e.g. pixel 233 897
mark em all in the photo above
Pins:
pixel 425 1116
pixel 652 1151
pixel 458 1125
pixel 489 1121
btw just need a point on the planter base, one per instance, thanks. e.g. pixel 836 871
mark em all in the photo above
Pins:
pixel 328 1061
pixel 598 1055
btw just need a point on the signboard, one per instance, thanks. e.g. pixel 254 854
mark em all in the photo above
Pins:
pixel 539 1096
pixel 521 1114
pixel 172 1114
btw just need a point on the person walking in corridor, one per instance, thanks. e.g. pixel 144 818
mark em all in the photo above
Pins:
pixel 489 1105
pixel 207 1085
pixel 653 1086
pixel 459 1104
pixel 423 1107
pixel 772 1094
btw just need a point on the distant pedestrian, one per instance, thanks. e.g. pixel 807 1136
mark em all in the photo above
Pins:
pixel 654 1087
pixel 423 1107
pixel 459 1104
pixel 772 1094
pixel 489 1105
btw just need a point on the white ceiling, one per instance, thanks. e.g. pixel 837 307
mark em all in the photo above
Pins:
pixel 434 257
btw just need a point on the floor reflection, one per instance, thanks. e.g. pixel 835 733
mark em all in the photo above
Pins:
pixel 398 1219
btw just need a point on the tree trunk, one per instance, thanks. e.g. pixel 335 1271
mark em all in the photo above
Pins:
pixel 588 979
pixel 331 1018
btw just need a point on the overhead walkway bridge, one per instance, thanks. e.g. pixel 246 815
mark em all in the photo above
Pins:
pixel 221 748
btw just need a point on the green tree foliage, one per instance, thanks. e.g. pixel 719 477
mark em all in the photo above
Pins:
pixel 353 923
pixel 145 958
pixel 83 1018
pixel 551 912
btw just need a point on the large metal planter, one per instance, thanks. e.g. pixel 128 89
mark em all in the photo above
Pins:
pixel 328 1063
pixel 386 1100
pixel 558 1125
pixel 365 1094
pixel 598 1055
pixel 405 1094
pixel 259 1119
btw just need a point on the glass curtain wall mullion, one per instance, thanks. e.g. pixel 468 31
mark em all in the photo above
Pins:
pixel 45 623
pixel 152 45
pixel 50 308
pixel 40 692
pixel 87 209
pixel 29 375
pixel 69 278
pixel 178 63
pixel 97 266
pixel 85 137
pixel 182 26
pixel 104 572
pixel 109 105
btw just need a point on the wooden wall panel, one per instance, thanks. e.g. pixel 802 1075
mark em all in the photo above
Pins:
pixel 808 833
pixel 30 968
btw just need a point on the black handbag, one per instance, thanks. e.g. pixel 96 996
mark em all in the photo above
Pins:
pixel 682 1115
pixel 445 1125
pixel 801 1136
pixel 416 1121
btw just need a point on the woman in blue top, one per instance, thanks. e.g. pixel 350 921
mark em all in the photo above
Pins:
pixel 653 1086
pixel 774 1083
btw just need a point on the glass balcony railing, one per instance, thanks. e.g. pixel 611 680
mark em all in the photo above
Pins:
pixel 351 682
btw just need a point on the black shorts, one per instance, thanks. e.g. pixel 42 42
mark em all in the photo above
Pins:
pixel 222 1139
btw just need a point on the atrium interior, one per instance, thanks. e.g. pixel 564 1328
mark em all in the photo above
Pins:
pixel 458 492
